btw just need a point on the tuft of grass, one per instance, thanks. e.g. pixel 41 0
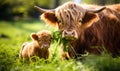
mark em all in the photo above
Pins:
pixel 19 32
pixel 102 63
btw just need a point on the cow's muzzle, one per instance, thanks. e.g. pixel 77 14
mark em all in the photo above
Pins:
pixel 69 34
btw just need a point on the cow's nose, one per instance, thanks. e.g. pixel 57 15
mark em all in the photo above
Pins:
pixel 69 34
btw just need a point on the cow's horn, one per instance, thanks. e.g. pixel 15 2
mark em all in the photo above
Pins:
pixel 95 11
pixel 43 10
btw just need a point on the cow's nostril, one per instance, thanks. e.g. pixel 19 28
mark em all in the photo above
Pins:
pixel 73 33
pixel 65 33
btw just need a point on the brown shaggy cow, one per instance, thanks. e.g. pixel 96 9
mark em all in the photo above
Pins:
pixel 90 28
pixel 39 46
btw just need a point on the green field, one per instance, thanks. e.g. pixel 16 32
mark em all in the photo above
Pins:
pixel 13 34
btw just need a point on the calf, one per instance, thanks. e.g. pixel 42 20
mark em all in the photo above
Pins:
pixel 39 46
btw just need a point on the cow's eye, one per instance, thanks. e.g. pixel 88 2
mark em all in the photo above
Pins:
pixel 59 21
pixel 80 21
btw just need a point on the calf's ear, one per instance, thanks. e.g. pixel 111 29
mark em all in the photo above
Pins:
pixel 34 36
pixel 89 19
pixel 49 18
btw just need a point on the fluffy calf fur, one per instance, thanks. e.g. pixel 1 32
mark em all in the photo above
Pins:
pixel 38 47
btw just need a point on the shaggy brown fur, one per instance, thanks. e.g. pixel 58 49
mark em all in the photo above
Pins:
pixel 39 46
pixel 94 31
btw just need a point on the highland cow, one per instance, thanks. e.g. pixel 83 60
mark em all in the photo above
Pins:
pixel 88 28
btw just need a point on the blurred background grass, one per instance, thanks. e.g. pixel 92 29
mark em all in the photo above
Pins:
pixel 18 19
pixel 24 9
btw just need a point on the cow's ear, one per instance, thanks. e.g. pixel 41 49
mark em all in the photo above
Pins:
pixel 34 36
pixel 89 19
pixel 49 18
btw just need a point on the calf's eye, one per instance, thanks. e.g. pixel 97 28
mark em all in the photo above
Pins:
pixel 39 40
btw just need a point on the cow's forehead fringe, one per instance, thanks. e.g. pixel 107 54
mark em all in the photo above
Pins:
pixel 69 5
pixel 70 8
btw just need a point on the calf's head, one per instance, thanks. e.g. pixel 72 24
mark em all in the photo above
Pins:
pixel 43 38
pixel 70 18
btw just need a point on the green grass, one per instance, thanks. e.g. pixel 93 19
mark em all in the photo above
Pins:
pixel 19 32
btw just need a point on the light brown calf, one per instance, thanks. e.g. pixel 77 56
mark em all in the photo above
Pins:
pixel 38 47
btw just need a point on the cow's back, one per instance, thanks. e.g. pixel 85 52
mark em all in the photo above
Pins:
pixel 115 7
pixel 105 32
